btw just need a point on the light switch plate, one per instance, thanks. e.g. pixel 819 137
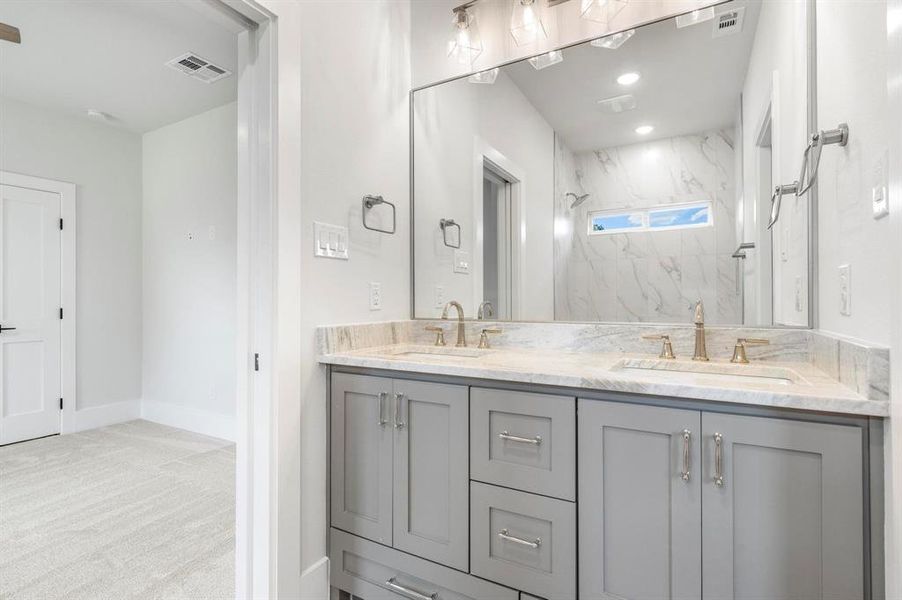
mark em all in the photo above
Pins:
pixel 375 295
pixel 462 262
pixel 845 290
pixel 330 241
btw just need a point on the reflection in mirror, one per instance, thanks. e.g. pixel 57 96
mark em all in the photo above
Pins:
pixel 625 182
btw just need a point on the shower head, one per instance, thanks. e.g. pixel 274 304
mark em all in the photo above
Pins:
pixel 577 200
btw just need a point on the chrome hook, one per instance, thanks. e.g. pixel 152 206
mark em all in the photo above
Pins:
pixel 808 175
pixel 777 199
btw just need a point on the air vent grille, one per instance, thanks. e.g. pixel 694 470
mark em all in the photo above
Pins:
pixel 729 22
pixel 198 68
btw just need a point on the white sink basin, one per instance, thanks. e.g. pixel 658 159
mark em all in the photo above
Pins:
pixel 439 352
pixel 690 372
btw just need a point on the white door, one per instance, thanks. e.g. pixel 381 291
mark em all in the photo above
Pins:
pixel 29 314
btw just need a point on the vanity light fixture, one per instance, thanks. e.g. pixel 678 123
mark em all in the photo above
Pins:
pixel 644 129
pixel 628 78
pixel 546 60
pixel 613 41
pixel 526 24
pixel 466 43
pixel 601 11
pixel 695 17
pixel 485 77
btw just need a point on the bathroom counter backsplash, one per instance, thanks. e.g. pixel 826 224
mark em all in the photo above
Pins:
pixel 862 368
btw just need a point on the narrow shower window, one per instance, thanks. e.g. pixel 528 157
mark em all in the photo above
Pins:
pixel 616 221
pixel 684 216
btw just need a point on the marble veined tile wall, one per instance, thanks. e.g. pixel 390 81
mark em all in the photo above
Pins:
pixel 647 276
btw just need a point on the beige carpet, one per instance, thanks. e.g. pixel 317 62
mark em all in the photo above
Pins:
pixel 136 510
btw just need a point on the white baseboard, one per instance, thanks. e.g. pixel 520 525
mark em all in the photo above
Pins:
pixel 315 580
pixel 107 414
pixel 190 419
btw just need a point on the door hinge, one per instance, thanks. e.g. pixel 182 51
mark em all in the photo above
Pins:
pixel 61 404
pixel 256 362
pixel 61 312
pixel 61 224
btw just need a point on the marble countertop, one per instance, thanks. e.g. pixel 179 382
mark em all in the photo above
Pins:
pixel 793 385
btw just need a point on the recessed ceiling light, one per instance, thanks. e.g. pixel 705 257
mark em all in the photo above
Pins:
pixel 628 78
pixel 644 129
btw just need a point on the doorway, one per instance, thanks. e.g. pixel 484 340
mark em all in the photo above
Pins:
pixel 759 308
pixel 497 278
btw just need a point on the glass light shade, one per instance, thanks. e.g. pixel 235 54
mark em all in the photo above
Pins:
pixel 614 41
pixel 486 77
pixel 695 17
pixel 546 60
pixel 526 24
pixel 466 43
pixel 601 11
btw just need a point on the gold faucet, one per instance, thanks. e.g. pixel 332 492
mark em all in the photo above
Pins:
pixel 701 351
pixel 461 333
pixel 739 355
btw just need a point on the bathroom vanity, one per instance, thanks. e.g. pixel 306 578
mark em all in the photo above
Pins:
pixel 552 473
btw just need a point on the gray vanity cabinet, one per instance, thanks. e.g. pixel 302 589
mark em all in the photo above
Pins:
pixel 399 464
pixel 640 514
pixel 786 520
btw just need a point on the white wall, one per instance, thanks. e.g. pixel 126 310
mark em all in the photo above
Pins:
pixel 855 58
pixel 189 285
pixel 431 30
pixel 452 123
pixel 777 76
pixel 105 164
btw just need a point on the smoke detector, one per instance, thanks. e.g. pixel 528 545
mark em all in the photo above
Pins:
pixel 729 22
pixel 192 65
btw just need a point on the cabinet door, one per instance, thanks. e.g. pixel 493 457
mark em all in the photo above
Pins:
pixel 362 456
pixel 430 476
pixel 786 519
pixel 639 501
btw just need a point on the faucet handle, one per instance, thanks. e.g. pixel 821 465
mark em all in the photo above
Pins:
pixel 439 334
pixel 484 337
pixel 739 355
pixel 666 347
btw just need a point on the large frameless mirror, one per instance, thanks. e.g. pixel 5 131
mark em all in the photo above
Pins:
pixel 622 179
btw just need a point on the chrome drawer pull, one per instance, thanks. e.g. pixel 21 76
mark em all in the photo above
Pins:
pixel 399 422
pixel 718 460
pixel 409 592
pixel 505 535
pixel 506 435
pixel 687 439
pixel 382 421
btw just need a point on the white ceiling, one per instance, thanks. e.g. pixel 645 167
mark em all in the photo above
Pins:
pixel 109 56
pixel 690 82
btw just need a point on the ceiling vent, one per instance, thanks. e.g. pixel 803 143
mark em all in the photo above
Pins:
pixel 729 22
pixel 201 69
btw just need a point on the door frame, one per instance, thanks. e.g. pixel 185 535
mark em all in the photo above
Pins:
pixel 67 193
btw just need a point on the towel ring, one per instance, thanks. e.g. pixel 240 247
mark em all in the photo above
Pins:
pixel 368 203
pixel 446 224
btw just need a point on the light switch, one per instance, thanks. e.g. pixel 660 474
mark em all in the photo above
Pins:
pixel 845 290
pixel 331 241
pixel 461 262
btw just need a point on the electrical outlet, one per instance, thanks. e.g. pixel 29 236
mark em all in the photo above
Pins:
pixel 798 293
pixel 845 290
pixel 375 295
pixel 211 232
pixel 439 293
pixel 190 236
pixel 879 194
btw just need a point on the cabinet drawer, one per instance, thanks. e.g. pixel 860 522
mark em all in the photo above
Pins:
pixel 374 572
pixel 525 441
pixel 523 540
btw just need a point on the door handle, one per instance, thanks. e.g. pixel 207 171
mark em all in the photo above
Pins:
pixel 399 421
pixel 687 440
pixel 718 459
pixel 382 421
pixel 2 328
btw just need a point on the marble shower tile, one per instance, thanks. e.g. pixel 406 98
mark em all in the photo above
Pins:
pixel 632 289
pixel 665 299
pixel 729 302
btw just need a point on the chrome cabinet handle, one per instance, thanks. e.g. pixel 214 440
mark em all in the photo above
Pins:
pixel 382 419
pixel 505 535
pixel 409 592
pixel 687 440
pixel 506 435
pixel 399 423
pixel 718 460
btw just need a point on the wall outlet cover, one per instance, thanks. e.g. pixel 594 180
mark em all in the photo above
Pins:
pixel 845 290
pixel 462 262
pixel 439 294
pixel 375 295
pixel 799 306
pixel 879 193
